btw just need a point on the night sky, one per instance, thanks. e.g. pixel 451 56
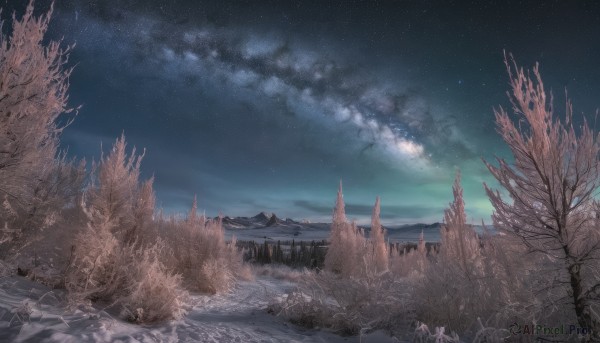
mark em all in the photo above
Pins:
pixel 265 106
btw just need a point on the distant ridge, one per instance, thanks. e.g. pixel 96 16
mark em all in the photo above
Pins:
pixel 268 226
pixel 273 221
pixel 263 216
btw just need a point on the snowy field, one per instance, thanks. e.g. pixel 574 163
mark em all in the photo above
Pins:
pixel 30 312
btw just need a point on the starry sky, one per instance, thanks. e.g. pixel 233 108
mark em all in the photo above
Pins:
pixel 265 105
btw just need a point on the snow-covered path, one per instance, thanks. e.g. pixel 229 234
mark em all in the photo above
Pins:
pixel 240 316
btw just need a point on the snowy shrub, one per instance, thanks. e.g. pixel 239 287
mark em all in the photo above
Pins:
pixel 278 271
pixel 200 253
pixel 490 334
pixel 422 334
pixel 473 277
pixel 348 305
pixel 153 293
pixel 456 287
pixel 118 208
pixel 117 258
pixel 446 298
pixel 108 206
pixel 234 257
pixel 304 307
pixel 133 278
pixel 93 269
pixel 53 193
pixel 117 194
pixel 356 292
pixel 410 263
pixel 215 276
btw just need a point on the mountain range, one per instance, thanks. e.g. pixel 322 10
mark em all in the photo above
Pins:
pixel 268 226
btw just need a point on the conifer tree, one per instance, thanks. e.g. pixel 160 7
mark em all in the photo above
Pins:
pixel 334 259
pixel 377 240
pixel 460 242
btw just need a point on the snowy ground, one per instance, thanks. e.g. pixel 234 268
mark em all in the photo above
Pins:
pixel 29 312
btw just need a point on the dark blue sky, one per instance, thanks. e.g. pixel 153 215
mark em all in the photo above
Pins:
pixel 264 106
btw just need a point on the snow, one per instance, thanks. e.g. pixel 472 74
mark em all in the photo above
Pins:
pixel 31 312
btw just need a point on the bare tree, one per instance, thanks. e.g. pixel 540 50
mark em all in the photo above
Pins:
pixel 551 186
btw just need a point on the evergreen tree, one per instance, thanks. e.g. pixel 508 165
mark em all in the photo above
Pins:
pixel 377 241
pixel 334 259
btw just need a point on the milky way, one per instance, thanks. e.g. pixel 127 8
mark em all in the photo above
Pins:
pixel 266 106
pixel 384 115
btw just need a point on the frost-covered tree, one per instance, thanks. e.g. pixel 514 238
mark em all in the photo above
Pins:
pixel 109 205
pixel 422 245
pixel 459 285
pixel 143 212
pixel 377 240
pixel 34 181
pixel 354 293
pixel 460 242
pixel 356 261
pixel 200 253
pixel 117 196
pixel 551 185
pixel 116 259
pixel 334 259
pixel 411 263
pixel 347 251
pixel 56 187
